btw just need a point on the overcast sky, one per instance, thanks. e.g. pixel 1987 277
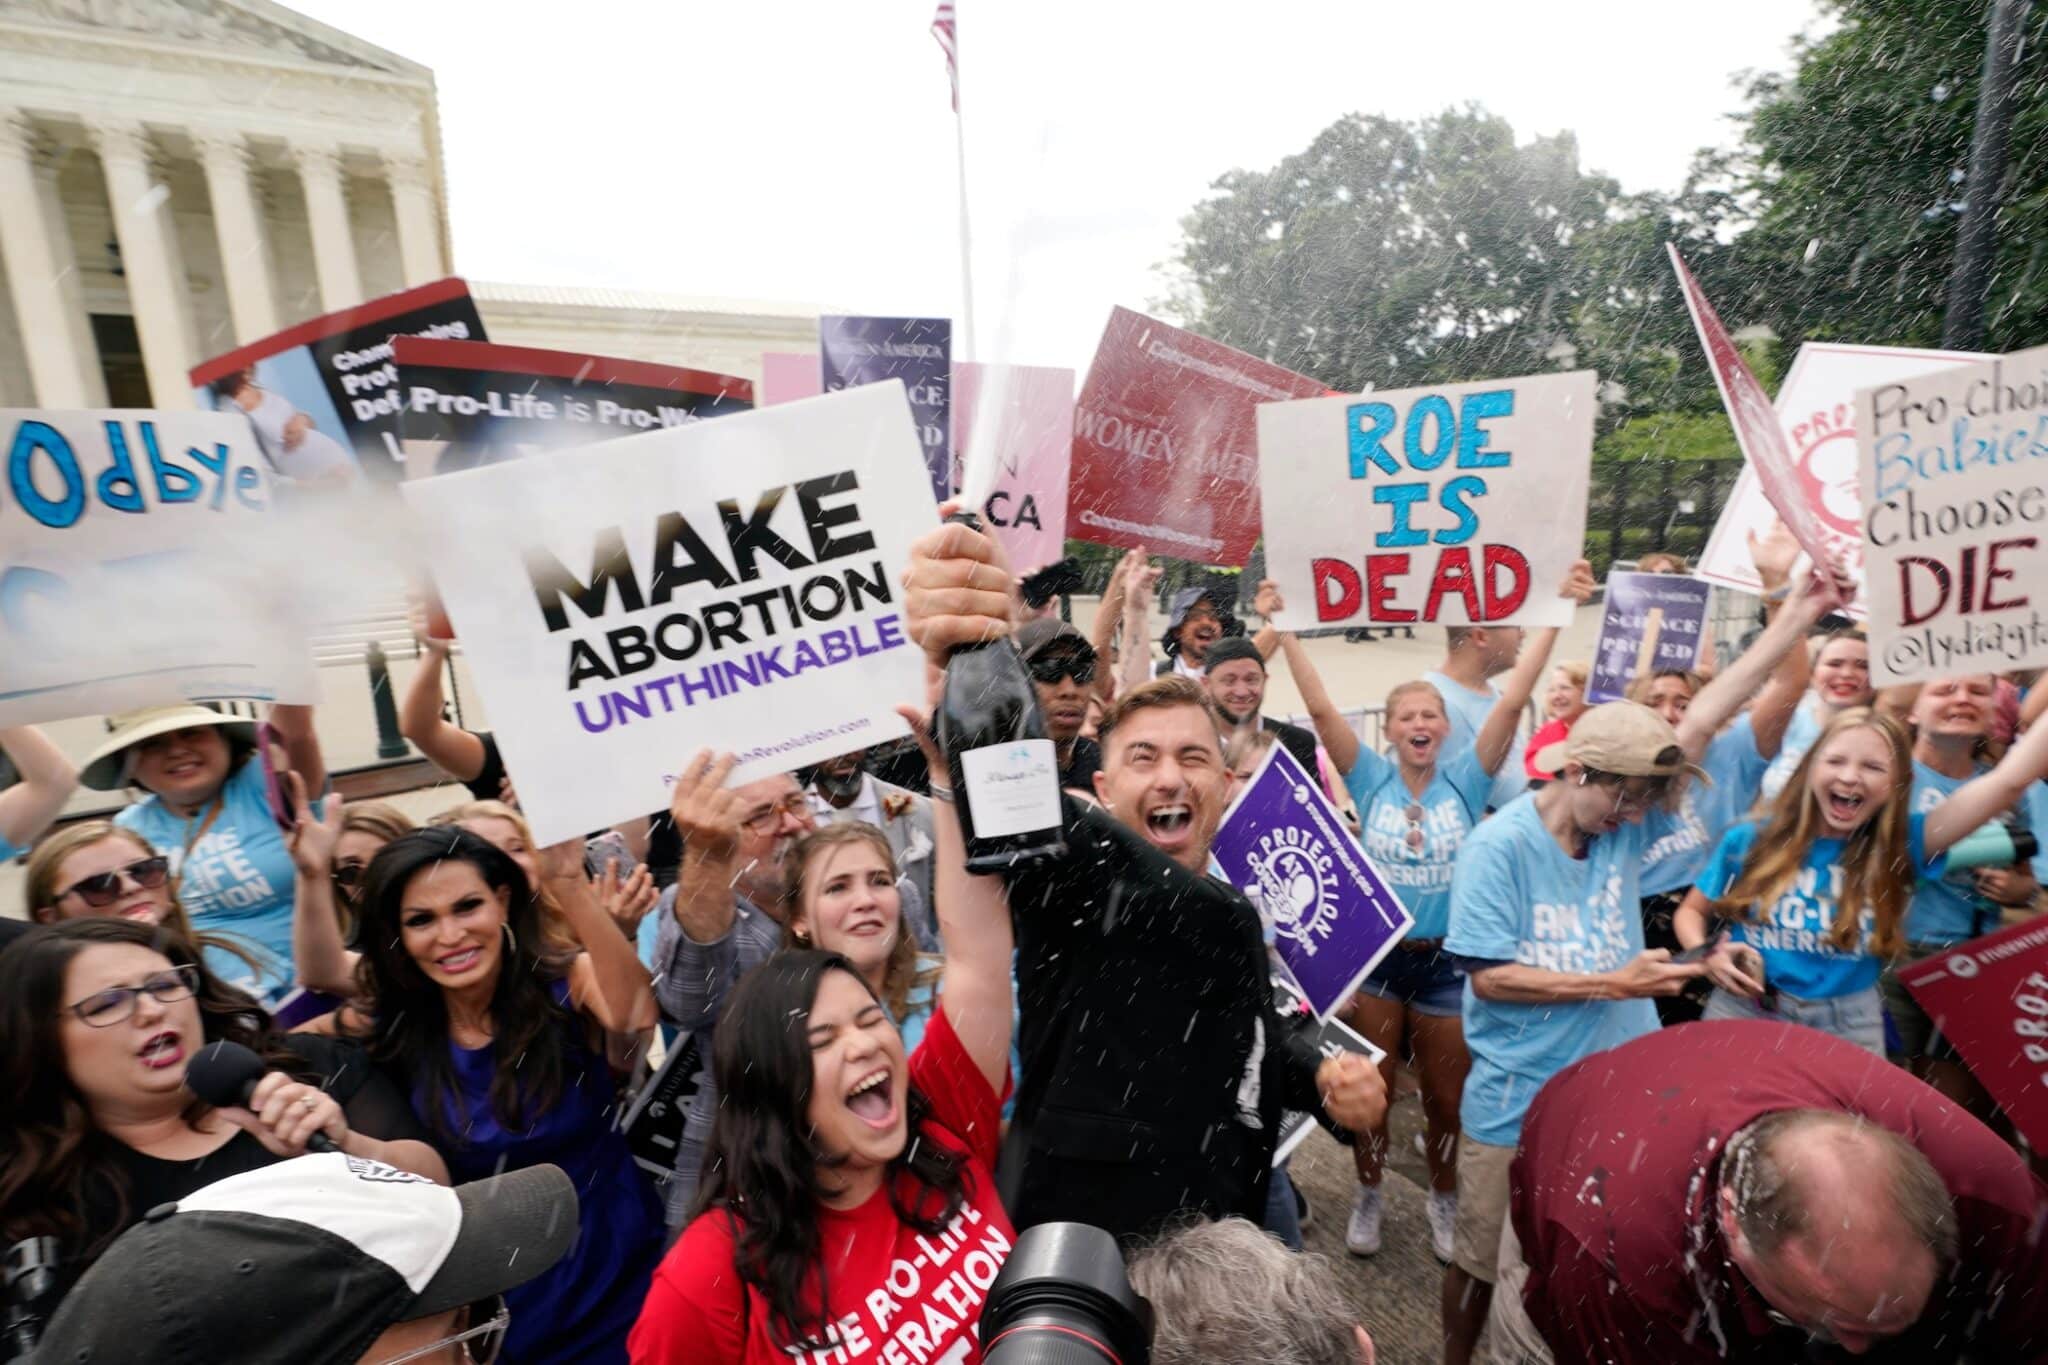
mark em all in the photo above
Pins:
pixel 802 150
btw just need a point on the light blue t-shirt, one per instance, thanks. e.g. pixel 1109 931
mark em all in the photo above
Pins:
pixel 1804 729
pixel 1468 711
pixel 1792 934
pixel 235 880
pixel 1519 897
pixel 1705 812
pixel 9 852
pixel 1452 804
pixel 1946 908
pixel 2037 820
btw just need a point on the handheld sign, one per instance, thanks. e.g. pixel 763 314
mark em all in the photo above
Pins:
pixel 654 1123
pixel 142 562
pixel 1649 622
pixel 1454 505
pixel 787 376
pixel 918 351
pixel 1028 428
pixel 1955 522
pixel 1166 449
pixel 1285 846
pixel 1333 1038
pixel 1990 998
pixel 728 585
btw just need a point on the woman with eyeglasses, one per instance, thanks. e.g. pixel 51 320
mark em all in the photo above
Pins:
pixel 1415 808
pixel 98 1019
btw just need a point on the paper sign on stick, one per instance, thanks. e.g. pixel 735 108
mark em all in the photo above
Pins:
pixel 1033 437
pixel 1990 998
pixel 918 351
pixel 1165 444
pixel 1955 521
pixel 1284 845
pixel 142 562
pixel 323 396
pixel 1454 505
pixel 787 376
pixel 1333 1039
pixel 729 585
pixel 1649 622
pixel 1816 408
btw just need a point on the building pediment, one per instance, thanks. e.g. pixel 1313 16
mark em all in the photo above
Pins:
pixel 252 27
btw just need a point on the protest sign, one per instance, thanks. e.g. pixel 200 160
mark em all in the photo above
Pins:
pixel 1816 409
pixel 142 562
pixel 1284 845
pixel 1649 622
pixel 1990 998
pixel 1165 445
pixel 1453 505
pixel 918 351
pixel 468 403
pixel 1955 497
pixel 1333 1038
pixel 654 1123
pixel 728 585
pixel 323 396
pixel 787 376
pixel 1031 437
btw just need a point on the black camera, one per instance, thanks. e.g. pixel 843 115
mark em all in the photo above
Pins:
pixel 1063 1299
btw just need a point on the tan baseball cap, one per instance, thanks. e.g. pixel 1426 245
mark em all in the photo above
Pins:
pixel 1625 738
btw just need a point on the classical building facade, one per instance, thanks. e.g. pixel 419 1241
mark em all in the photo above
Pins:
pixel 179 177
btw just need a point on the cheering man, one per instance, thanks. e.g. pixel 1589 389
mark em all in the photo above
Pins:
pixel 1236 682
pixel 1062 664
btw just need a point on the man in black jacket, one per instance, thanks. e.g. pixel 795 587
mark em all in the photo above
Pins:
pixel 1155 1068
pixel 1236 682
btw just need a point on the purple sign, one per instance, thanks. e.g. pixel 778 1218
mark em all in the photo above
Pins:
pixel 1651 620
pixel 918 351
pixel 1284 845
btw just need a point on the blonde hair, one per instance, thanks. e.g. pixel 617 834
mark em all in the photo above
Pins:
pixel 1578 670
pixel 1876 869
pixel 901 974
pixel 559 934
pixel 46 863
pixel 376 818
pixel 1246 748
pixel 1676 563
pixel 1400 690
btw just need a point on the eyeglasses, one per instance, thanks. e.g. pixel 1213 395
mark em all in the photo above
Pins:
pixel 1049 670
pixel 795 806
pixel 116 1004
pixel 1651 793
pixel 480 1345
pixel 104 888
pixel 1415 837
pixel 348 878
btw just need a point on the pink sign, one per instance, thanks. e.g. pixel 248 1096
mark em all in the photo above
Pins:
pixel 1032 434
pixel 787 376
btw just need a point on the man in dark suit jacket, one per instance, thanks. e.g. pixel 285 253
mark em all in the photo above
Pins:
pixel 1236 683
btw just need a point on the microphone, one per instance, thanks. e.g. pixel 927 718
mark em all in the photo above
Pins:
pixel 226 1073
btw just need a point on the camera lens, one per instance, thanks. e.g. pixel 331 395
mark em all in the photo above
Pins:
pixel 1063 1299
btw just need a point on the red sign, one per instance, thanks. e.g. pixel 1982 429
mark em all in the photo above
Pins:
pixel 1990 997
pixel 1757 428
pixel 1166 448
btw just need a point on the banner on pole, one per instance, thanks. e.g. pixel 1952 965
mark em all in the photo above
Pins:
pixel 1990 998
pixel 1453 505
pixel 728 585
pixel 1166 449
pixel 142 561
pixel 323 396
pixel 1816 407
pixel 1285 846
pixel 1955 521
pixel 1031 438
pixel 918 351
pixel 787 376
pixel 1649 622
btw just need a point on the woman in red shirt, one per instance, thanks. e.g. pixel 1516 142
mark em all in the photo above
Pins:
pixel 848 1201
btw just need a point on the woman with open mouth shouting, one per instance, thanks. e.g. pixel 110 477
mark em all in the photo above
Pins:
pixel 847 1201
pixel 1815 893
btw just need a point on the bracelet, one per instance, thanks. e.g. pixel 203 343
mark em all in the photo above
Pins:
pixel 941 792
pixel 1779 593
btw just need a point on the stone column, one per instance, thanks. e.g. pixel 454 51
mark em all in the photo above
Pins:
pixel 419 232
pixel 334 248
pixel 238 220
pixel 36 269
pixel 150 258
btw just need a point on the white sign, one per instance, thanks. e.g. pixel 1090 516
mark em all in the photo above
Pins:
pixel 142 562
pixel 729 585
pixel 1459 504
pixel 1816 406
pixel 1955 527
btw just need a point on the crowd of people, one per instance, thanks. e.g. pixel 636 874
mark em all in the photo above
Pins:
pixel 1676 1104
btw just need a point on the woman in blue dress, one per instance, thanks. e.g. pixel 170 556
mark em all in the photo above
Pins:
pixel 501 1040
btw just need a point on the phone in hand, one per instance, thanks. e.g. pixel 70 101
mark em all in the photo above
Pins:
pixel 1702 952
pixel 268 739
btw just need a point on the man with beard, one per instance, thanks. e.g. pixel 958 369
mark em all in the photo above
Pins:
pixel 1236 683
pixel 1198 618
pixel 1062 664
pixel 1155 1067
pixel 842 790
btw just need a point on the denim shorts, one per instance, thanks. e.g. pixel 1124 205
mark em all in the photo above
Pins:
pixel 1426 982
pixel 1857 1018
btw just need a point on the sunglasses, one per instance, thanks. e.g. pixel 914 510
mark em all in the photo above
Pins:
pixel 104 888
pixel 480 1345
pixel 1050 670
pixel 348 877
pixel 1415 838
pixel 116 1004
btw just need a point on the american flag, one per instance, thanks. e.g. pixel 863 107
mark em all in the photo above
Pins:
pixel 949 42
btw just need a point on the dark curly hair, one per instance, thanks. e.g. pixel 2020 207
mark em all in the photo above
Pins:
pixel 760 1169
pixel 55 1163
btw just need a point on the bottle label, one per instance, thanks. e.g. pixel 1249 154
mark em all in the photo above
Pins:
pixel 1013 787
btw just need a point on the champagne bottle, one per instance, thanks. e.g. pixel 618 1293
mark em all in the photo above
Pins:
pixel 1005 771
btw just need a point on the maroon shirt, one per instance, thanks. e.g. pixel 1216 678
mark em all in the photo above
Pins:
pixel 1614 1191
